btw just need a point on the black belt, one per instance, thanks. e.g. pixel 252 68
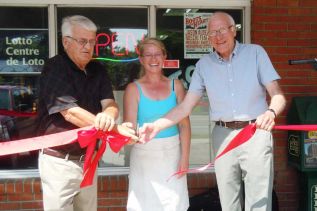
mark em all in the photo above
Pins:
pixel 234 124
pixel 58 154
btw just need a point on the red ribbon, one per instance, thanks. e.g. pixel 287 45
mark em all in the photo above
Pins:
pixel 248 131
pixel 16 113
pixel 243 136
pixel 87 137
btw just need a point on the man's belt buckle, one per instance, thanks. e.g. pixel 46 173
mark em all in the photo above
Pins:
pixel 74 158
pixel 82 158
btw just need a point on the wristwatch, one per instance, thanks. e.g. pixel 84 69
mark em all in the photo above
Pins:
pixel 272 110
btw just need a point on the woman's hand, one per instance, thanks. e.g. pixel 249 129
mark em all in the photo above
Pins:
pixel 183 167
pixel 126 129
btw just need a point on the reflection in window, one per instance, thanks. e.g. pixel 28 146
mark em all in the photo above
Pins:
pixel 170 29
pixel 23 99
pixel 5 101
pixel 24 40
pixel 23 51
pixel 116 40
pixel 118 50
pixel 119 32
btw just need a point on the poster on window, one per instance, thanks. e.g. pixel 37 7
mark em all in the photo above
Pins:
pixel 195 35
pixel 23 50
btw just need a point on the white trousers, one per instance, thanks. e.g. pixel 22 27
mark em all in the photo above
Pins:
pixel 60 181
pixel 151 164
pixel 250 164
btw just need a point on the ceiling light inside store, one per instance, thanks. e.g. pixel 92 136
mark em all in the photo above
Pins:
pixel 163 36
pixel 179 12
pixel 238 27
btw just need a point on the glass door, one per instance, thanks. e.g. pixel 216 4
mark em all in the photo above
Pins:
pixel 183 31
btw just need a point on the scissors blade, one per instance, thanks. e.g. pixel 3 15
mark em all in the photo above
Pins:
pixel 137 130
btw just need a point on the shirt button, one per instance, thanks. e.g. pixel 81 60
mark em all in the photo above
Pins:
pixel 232 94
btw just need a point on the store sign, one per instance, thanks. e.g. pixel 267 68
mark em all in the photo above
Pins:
pixel 23 50
pixel 196 42
pixel 184 75
pixel 310 146
pixel 169 64
pixel 26 50
pixel 128 43
pixel 120 45
pixel 294 145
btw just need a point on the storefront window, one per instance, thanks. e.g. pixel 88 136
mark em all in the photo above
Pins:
pixel 119 32
pixel 24 40
pixel 186 43
pixel 23 51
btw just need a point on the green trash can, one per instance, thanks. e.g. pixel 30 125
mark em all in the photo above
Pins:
pixel 302 149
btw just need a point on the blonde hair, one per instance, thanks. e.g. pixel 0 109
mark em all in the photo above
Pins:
pixel 153 41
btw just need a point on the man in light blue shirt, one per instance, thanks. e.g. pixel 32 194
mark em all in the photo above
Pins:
pixel 236 78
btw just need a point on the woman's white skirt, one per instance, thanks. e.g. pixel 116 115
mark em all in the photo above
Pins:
pixel 151 164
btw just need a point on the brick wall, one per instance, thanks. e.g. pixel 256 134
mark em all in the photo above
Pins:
pixel 20 194
pixel 112 192
pixel 287 29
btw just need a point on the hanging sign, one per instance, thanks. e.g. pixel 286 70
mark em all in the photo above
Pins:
pixel 195 35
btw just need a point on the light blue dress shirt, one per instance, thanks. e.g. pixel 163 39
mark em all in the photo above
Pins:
pixel 235 88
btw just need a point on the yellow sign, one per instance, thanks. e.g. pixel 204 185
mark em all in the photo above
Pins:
pixel 312 134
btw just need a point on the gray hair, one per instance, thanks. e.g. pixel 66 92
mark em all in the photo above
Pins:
pixel 229 18
pixel 77 20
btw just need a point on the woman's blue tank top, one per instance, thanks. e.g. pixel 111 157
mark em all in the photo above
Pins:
pixel 150 110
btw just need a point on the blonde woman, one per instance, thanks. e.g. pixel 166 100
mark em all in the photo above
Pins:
pixel 151 164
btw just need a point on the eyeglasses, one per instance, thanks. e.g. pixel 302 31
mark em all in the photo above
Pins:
pixel 149 56
pixel 83 41
pixel 221 31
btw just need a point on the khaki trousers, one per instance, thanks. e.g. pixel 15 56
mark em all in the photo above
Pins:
pixel 60 181
pixel 250 164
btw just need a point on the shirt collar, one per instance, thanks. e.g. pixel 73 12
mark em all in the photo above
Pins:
pixel 73 65
pixel 233 54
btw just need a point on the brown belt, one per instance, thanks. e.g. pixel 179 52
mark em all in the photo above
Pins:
pixel 234 124
pixel 55 153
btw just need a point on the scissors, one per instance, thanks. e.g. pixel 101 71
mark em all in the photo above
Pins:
pixel 137 133
pixel 137 130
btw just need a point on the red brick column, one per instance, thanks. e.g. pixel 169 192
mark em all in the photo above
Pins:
pixel 287 29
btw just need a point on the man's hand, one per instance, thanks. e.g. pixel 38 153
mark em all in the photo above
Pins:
pixel 265 121
pixel 147 132
pixel 104 122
